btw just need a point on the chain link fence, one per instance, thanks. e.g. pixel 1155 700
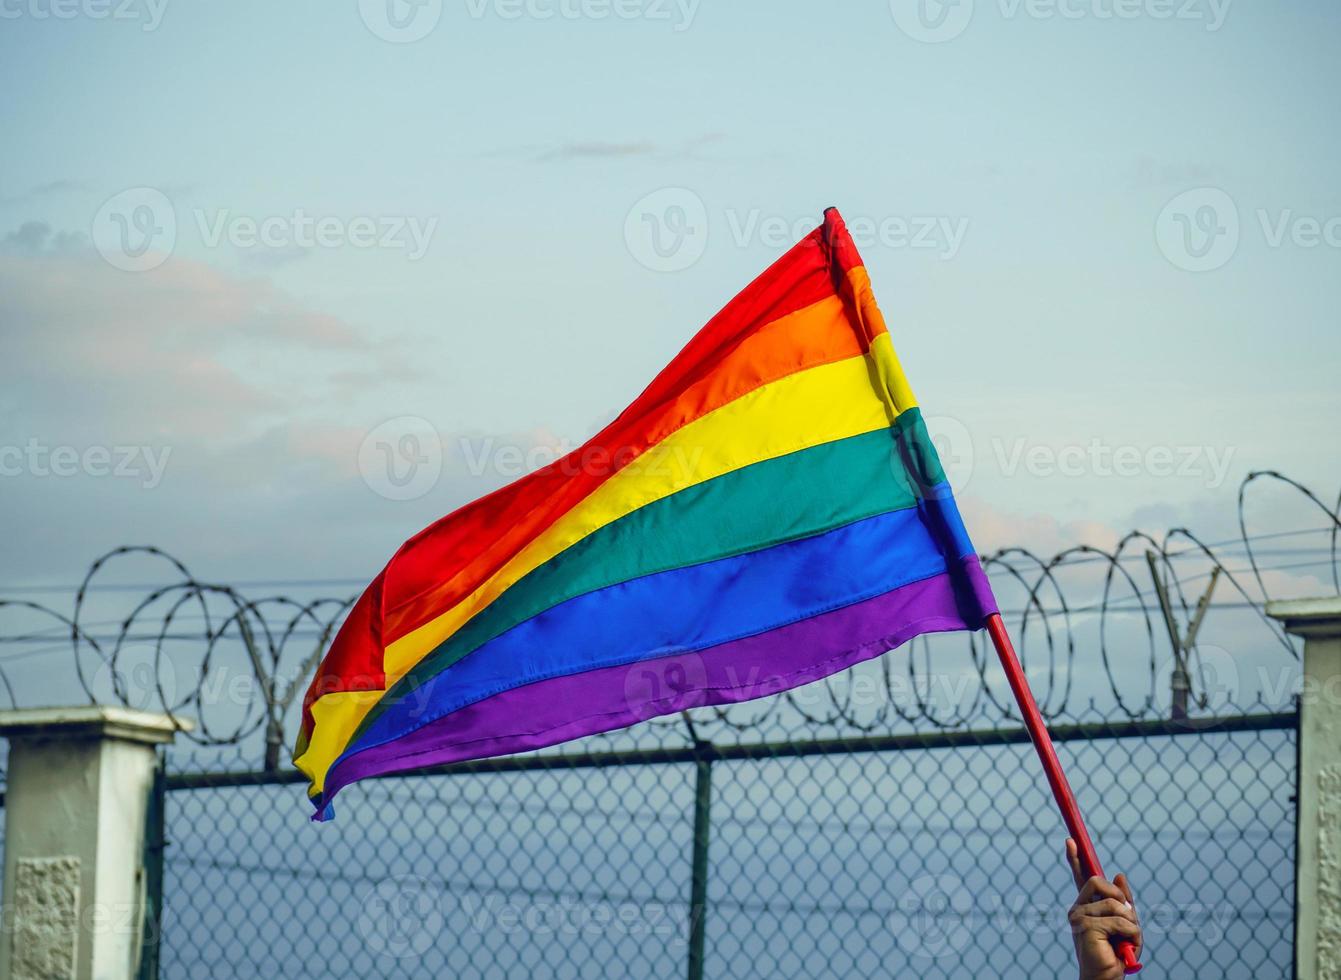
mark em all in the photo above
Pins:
pixel 889 822
pixel 927 853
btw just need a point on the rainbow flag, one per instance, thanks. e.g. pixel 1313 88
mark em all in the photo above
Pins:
pixel 768 512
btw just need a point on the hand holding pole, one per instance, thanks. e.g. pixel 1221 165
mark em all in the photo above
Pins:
pixel 1052 767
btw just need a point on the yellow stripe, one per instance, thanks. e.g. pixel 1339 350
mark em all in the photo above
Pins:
pixel 815 406
pixel 334 718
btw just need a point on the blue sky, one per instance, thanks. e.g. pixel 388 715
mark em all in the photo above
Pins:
pixel 1029 184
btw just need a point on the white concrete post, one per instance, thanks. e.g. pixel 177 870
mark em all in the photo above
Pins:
pixel 76 796
pixel 1318 860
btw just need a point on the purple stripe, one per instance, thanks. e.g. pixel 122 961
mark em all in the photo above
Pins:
pixel 543 713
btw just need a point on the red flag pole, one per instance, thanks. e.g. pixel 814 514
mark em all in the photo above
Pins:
pixel 1052 767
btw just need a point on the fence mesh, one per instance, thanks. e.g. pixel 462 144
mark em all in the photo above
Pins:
pixel 880 823
pixel 925 858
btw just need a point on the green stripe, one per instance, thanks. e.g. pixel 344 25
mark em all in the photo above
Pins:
pixel 794 496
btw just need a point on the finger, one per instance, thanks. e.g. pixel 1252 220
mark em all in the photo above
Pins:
pixel 1122 882
pixel 1097 888
pixel 1108 907
pixel 1073 859
pixel 1111 925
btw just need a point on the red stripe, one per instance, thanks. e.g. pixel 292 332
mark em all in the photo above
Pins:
pixel 833 233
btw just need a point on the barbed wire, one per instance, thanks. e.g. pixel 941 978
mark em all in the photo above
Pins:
pixel 264 649
pixel 1047 617
pixel 263 627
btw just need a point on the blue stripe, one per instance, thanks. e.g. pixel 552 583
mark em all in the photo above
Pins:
pixel 691 608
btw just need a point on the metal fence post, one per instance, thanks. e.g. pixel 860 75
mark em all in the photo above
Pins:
pixel 698 886
pixel 1318 861
pixel 155 841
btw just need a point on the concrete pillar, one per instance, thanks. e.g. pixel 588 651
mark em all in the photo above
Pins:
pixel 77 792
pixel 1318 861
